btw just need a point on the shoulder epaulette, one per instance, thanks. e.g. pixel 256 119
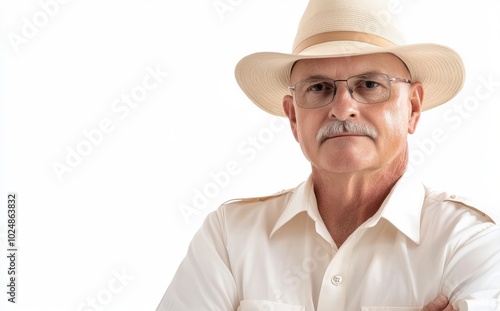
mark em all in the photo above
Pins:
pixel 467 202
pixel 260 199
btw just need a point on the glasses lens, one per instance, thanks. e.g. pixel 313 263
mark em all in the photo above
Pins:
pixel 314 93
pixel 370 88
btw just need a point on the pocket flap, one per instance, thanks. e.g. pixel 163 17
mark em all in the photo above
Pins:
pixel 390 308
pixel 267 305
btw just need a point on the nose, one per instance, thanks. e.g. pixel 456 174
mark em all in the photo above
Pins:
pixel 343 106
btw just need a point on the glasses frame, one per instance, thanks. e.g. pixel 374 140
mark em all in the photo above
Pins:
pixel 390 79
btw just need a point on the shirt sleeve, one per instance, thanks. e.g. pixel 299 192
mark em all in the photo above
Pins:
pixel 203 280
pixel 472 274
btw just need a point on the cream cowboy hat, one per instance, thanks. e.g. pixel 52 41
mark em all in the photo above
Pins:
pixel 335 28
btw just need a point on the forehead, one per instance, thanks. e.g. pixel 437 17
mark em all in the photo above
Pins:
pixel 344 67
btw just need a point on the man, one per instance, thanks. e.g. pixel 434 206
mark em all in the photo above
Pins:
pixel 359 234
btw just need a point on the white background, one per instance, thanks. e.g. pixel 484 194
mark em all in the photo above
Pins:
pixel 108 234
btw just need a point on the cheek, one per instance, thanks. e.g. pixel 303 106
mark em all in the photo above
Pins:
pixel 396 124
pixel 306 127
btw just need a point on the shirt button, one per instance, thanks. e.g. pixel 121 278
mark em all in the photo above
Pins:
pixel 453 196
pixel 336 280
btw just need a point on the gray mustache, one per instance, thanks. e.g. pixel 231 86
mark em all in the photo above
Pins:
pixel 337 127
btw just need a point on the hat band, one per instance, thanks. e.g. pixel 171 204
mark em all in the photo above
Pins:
pixel 343 36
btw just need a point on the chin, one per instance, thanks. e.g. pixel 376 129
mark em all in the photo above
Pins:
pixel 345 164
pixel 349 157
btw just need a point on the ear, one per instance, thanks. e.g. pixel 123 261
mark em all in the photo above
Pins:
pixel 416 100
pixel 289 109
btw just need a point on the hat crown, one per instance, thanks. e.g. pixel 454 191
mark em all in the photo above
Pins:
pixel 367 21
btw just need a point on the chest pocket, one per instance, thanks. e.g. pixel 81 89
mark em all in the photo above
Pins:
pixel 267 305
pixel 390 309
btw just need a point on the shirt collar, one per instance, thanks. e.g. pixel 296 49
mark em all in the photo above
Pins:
pixel 302 199
pixel 402 208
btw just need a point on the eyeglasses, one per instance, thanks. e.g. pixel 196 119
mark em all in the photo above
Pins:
pixel 369 88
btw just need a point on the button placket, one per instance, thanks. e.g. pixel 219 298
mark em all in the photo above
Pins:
pixel 335 282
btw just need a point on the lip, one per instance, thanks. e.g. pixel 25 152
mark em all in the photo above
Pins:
pixel 344 135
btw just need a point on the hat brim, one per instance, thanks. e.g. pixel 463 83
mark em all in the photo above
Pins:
pixel 264 77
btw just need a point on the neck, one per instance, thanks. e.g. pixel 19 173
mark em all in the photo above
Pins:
pixel 347 200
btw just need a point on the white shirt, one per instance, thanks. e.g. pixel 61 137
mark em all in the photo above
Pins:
pixel 275 253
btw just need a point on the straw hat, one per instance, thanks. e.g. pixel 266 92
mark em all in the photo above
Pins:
pixel 335 28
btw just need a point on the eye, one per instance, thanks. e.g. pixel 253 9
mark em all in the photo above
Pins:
pixel 320 87
pixel 368 81
pixel 368 84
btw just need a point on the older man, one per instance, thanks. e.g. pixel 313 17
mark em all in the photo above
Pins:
pixel 359 234
pixel 353 132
